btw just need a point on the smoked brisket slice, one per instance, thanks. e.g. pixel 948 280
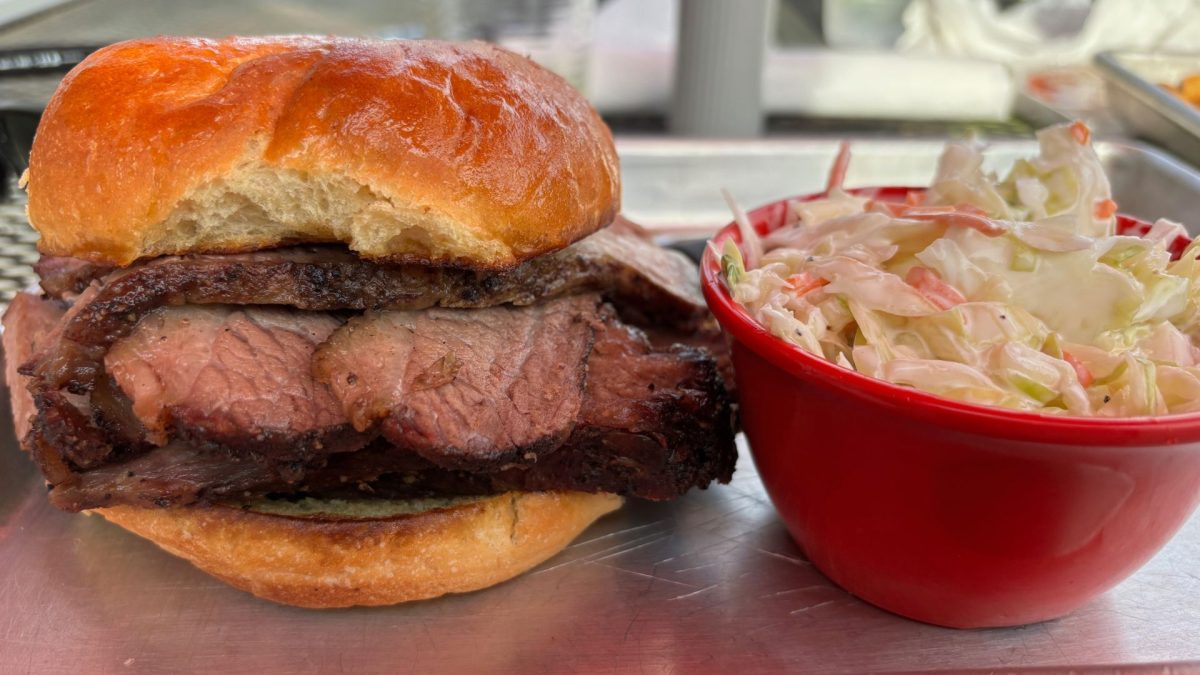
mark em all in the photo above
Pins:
pixel 650 421
pixel 468 388
pixel 65 278
pixel 649 283
pixel 654 284
pixel 28 324
pixel 238 378
pixel 177 475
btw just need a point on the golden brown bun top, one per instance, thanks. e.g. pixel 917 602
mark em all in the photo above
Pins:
pixel 421 151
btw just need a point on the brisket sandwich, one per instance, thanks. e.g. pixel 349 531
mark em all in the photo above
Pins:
pixel 348 322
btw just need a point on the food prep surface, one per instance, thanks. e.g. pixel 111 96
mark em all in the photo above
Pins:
pixel 710 582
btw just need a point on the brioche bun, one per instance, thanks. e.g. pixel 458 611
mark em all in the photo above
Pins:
pixel 374 552
pixel 414 151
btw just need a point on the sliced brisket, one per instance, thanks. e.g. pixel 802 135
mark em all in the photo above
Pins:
pixel 28 322
pixel 66 278
pixel 175 382
pixel 622 415
pixel 238 378
pixel 652 283
pixel 590 461
pixel 470 388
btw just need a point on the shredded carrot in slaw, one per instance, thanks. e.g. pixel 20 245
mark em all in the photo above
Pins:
pixel 837 174
pixel 961 215
pixel 929 284
pixel 803 283
pixel 1081 371
pixel 1105 208
pixel 1081 132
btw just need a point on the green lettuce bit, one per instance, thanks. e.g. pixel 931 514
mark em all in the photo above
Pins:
pixel 1053 345
pixel 1034 389
pixel 732 266
pixel 1117 373
pixel 1118 255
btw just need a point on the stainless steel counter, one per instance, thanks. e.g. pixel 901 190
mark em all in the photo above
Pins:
pixel 709 583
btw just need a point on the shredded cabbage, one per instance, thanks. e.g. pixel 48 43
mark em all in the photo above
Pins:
pixel 1014 292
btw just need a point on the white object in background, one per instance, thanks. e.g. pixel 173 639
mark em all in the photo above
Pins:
pixel 633 55
pixel 862 24
pixel 555 33
pixel 632 70
pixel 719 65
pixel 1042 33
pixel 884 85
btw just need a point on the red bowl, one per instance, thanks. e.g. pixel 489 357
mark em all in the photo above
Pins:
pixel 947 512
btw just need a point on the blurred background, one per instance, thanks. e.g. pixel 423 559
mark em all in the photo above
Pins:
pixel 729 69
pixel 817 61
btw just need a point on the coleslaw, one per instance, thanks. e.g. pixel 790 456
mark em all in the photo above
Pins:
pixel 1013 292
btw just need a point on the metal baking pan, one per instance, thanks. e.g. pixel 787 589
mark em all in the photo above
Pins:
pixel 708 583
pixel 1149 111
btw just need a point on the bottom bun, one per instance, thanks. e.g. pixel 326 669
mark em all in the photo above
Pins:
pixel 334 553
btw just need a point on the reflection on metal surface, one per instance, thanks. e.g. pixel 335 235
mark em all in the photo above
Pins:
pixel 710 582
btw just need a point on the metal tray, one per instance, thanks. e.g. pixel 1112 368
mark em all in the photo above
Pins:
pixel 1149 111
pixel 674 186
pixel 28 77
pixel 708 583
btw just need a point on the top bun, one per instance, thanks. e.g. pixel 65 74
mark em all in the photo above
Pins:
pixel 414 151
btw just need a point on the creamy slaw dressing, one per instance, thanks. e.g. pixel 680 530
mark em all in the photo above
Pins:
pixel 1014 292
